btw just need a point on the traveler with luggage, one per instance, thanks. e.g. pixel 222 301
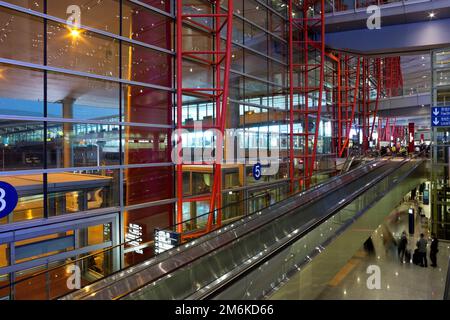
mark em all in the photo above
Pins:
pixel 422 250
pixel 402 247
pixel 434 250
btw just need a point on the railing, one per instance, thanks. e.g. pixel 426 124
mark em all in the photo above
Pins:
pixel 157 269
pixel 447 283
pixel 51 283
pixel 357 5
pixel 257 279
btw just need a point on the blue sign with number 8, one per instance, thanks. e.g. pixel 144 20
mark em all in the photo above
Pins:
pixel 257 171
pixel 8 199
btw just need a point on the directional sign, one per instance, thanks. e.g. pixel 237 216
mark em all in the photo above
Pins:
pixel 440 117
pixel 166 240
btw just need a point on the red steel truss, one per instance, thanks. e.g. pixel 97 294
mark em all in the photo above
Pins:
pixel 350 68
pixel 371 80
pixel 218 60
pixel 393 78
pixel 306 61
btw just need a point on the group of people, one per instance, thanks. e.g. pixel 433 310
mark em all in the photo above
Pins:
pixel 420 253
pixel 394 151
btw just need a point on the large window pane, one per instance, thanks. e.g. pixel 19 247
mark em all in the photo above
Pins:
pixel 102 15
pixel 36 5
pixel 148 184
pixel 70 192
pixel 146 105
pixel 21 91
pixel 141 224
pixel 146 26
pixel 146 145
pixel 82 145
pixel 21 145
pixel 31 197
pixel 146 65
pixel 21 36
pixel 82 98
pixel 164 5
pixel 83 51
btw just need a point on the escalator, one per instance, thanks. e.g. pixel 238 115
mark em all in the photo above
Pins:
pixel 249 258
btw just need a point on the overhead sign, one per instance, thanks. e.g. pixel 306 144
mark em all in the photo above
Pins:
pixel 257 171
pixel 8 199
pixel 166 240
pixel 440 117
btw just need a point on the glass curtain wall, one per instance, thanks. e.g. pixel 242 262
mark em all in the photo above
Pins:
pixel 257 115
pixel 86 111
pixel 440 183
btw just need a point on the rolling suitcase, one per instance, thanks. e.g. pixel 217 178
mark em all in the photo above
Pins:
pixel 408 256
pixel 416 257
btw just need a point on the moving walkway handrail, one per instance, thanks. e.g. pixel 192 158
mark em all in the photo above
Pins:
pixel 447 282
pixel 219 285
pixel 123 244
pixel 172 260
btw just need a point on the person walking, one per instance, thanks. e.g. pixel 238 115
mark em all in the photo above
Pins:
pixel 422 250
pixel 402 247
pixel 434 250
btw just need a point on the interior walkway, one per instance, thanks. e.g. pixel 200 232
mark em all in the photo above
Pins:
pixel 398 281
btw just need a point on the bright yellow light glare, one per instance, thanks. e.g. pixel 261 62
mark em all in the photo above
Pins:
pixel 75 33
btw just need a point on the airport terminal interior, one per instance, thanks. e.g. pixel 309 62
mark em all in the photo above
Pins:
pixel 224 149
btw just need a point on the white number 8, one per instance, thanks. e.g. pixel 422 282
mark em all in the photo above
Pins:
pixel 2 200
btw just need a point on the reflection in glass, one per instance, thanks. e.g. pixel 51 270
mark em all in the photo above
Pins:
pixel 31 198
pixel 82 51
pixel 21 91
pixel 70 192
pixel 82 145
pixel 74 97
pixel 21 36
pixel 148 184
pixel 146 105
pixel 146 145
pixel 21 145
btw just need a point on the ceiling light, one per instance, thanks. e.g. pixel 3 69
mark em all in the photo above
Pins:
pixel 431 15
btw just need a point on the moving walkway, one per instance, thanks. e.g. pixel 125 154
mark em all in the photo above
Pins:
pixel 249 258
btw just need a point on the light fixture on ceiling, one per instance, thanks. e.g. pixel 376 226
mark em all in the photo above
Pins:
pixel 431 15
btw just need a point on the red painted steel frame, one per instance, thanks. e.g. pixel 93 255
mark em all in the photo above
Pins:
pixel 306 26
pixel 219 94
pixel 351 78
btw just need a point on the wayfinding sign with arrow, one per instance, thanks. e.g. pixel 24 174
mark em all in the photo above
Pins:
pixel 440 116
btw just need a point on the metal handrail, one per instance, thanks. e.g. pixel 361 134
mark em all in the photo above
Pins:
pixel 447 282
pixel 313 194
pixel 246 269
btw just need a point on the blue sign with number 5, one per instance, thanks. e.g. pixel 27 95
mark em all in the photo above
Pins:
pixel 257 171
pixel 8 199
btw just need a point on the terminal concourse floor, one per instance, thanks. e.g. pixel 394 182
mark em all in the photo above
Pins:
pixel 398 281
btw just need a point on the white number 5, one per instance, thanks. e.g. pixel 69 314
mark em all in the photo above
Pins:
pixel 2 200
